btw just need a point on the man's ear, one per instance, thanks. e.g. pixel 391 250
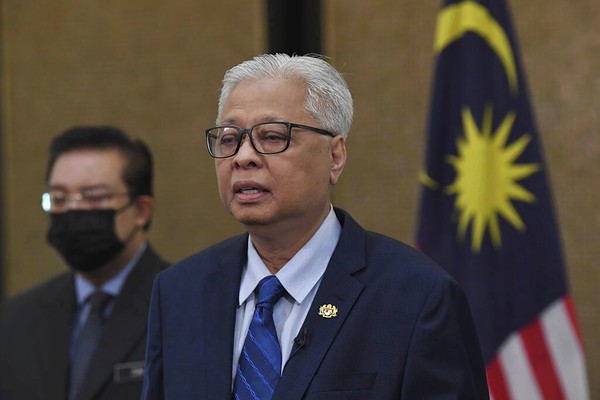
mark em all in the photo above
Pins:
pixel 338 158
pixel 144 206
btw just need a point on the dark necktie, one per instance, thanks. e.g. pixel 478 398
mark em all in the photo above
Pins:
pixel 87 339
pixel 259 367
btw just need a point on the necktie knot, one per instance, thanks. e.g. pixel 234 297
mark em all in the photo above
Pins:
pixel 268 292
pixel 97 301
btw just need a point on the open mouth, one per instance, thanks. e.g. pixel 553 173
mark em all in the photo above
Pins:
pixel 249 191
pixel 248 188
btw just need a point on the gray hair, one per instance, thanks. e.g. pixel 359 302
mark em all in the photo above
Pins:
pixel 328 99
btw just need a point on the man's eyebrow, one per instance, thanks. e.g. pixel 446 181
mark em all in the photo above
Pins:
pixel 56 187
pixel 270 118
pixel 63 188
pixel 264 118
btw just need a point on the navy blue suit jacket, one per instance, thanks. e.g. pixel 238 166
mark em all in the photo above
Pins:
pixel 403 329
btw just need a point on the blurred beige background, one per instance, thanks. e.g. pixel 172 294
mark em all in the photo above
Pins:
pixel 154 69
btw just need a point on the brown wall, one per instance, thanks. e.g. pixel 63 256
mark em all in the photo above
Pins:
pixel 154 69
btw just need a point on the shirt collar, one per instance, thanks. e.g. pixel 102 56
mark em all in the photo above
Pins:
pixel 303 271
pixel 84 288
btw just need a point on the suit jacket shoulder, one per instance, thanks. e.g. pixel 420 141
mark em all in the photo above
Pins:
pixel 402 328
pixel 35 332
pixel 194 303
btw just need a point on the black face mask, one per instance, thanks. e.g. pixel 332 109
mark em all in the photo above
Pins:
pixel 86 239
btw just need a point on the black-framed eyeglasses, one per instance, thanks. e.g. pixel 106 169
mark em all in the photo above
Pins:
pixel 266 137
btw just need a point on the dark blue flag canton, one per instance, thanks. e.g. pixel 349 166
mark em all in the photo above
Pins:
pixel 486 211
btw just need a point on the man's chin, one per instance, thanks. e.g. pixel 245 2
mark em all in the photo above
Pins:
pixel 249 221
pixel 250 218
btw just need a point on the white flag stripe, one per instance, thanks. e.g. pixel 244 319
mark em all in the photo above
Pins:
pixel 519 377
pixel 565 350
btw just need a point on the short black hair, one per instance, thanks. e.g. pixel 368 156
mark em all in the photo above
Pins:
pixel 138 170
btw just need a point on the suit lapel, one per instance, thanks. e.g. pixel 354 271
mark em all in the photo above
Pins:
pixel 219 302
pixel 126 326
pixel 338 288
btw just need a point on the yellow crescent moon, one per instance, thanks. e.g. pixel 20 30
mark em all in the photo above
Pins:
pixel 468 16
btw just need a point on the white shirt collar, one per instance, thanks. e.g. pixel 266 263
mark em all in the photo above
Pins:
pixel 303 271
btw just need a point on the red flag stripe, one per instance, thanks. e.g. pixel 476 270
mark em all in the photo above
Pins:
pixel 521 382
pixel 541 361
pixel 565 349
pixel 544 360
pixel 496 381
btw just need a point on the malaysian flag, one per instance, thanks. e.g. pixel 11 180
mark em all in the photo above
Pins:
pixel 486 209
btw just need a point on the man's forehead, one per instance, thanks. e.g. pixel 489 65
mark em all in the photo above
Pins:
pixel 88 168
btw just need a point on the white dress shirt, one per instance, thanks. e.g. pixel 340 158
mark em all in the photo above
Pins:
pixel 300 277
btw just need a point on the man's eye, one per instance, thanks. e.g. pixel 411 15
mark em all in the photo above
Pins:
pixel 228 140
pixel 97 198
pixel 59 200
pixel 273 136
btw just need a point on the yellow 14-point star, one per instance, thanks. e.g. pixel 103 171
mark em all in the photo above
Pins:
pixel 486 177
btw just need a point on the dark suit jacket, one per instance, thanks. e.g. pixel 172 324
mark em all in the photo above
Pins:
pixel 35 333
pixel 403 329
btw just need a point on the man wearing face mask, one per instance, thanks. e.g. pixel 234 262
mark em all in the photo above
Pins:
pixel 82 334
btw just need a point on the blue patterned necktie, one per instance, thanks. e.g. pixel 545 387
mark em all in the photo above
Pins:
pixel 87 340
pixel 259 367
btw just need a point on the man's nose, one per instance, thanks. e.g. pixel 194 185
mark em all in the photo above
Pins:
pixel 246 144
pixel 247 155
